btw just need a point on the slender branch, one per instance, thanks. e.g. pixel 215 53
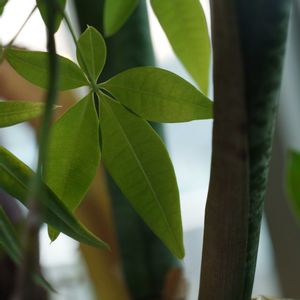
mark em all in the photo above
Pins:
pixel 31 245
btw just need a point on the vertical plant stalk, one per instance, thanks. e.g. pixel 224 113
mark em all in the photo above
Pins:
pixel 25 284
pixel 226 215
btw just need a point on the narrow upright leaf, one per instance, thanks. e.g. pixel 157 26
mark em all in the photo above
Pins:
pixel 185 26
pixel 159 95
pixel 137 160
pixel 116 12
pixel 33 66
pixel 91 52
pixel 74 152
pixel 293 180
pixel 2 5
pixel 14 112
pixel 59 16
pixel 15 179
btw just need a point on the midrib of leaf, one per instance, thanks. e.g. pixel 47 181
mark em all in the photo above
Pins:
pixel 93 55
pixel 173 99
pixel 143 172
pixel 11 113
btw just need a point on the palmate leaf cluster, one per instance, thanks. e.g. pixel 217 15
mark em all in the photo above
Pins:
pixel 110 124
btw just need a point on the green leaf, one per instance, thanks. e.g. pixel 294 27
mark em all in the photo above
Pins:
pixel 138 161
pixel 15 179
pixel 14 112
pixel 12 247
pixel 159 95
pixel 293 180
pixel 74 152
pixel 91 52
pixel 59 16
pixel 2 5
pixel 185 26
pixel 116 12
pixel 33 66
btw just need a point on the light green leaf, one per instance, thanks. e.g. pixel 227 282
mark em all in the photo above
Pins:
pixel 2 5
pixel 185 26
pixel 293 180
pixel 33 66
pixel 116 12
pixel 159 95
pixel 15 179
pixel 91 52
pixel 59 16
pixel 14 112
pixel 12 247
pixel 139 163
pixel 74 152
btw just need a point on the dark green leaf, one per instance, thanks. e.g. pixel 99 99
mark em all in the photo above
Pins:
pixel 116 12
pixel 15 179
pixel 138 161
pixel 2 5
pixel 185 26
pixel 91 52
pixel 293 180
pixel 74 152
pixel 33 66
pixel 59 16
pixel 159 95
pixel 13 112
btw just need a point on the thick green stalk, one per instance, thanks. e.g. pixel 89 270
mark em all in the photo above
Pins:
pixel 145 259
pixel 248 41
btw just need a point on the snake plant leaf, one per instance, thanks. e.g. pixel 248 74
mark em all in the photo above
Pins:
pixel 159 95
pixel 293 180
pixel 74 152
pixel 116 12
pixel 91 52
pixel 14 112
pixel 12 247
pixel 139 163
pixel 43 11
pixel 2 5
pixel 15 179
pixel 185 26
pixel 33 66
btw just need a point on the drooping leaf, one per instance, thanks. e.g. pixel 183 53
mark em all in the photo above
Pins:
pixel 91 52
pixel 2 5
pixel 33 66
pixel 185 26
pixel 14 112
pixel 159 95
pixel 138 161
pixel 293 180
pixel 15 178
pixel 59 16
pixel 116 12
pixel 74 152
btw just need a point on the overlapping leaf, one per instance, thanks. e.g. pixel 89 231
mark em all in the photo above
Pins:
pixel 15 179
pixel 185 26
pixel 14 112
pixel 293 180
pixel 33 66
pixel 159 95
pixel 116 12
pixel 137 160
pixel 91 52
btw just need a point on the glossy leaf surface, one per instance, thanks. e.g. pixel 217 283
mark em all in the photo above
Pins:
pixel 91 52
pixel 15 179
pixel 116 12
pixel 293 180
pixel 138 161
pixel 33 66
pixel 14 112
pixel 159 95
pixel 74 152
pixel 185 26
pixel 59 16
